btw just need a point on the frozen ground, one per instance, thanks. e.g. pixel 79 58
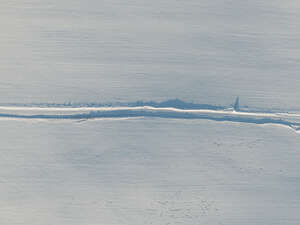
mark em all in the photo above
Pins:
pixel 148 171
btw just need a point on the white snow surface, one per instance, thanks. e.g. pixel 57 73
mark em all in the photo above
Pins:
pixel 148 171
pixel 110 50
pixel 145 165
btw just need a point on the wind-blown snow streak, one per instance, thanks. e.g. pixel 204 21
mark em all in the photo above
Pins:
pixel 56 113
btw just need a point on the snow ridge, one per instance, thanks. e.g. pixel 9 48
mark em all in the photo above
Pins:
pixel 85 113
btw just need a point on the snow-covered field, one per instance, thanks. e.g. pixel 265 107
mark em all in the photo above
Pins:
pixel 89 135
pixel 148 171
pixel 205 51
